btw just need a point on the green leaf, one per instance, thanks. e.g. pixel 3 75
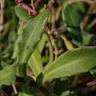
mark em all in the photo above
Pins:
pixel 22 14
pixel 35 62
pixel 7 75
pixel 73 62
pixel 72 17
pixel 31 35
pixel 42 42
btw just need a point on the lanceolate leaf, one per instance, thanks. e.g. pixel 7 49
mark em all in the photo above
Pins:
pixel 35 61
pixel 71 63
pixel 7 75
pixel 31 36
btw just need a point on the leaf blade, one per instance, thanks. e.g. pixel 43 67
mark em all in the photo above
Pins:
pixel 73 62
pixel 7 75
pixel 31 35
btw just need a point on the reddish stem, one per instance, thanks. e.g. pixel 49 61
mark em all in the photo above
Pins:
pixel 28 8
pixel 18 1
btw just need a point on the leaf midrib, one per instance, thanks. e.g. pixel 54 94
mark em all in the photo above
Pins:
pixel 64 66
